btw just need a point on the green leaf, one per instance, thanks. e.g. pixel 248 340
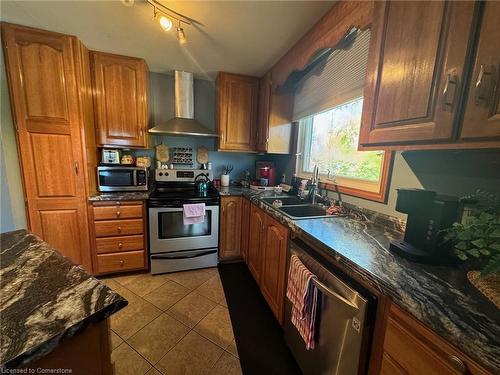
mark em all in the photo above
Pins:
pixel 486 216
pixel 495 246
pixel 465 235
pixel 493 266
pixel 495 233
pixel 461 245
pixel 474 253
pixel 480 243
pixel 461 255
pixel 484 251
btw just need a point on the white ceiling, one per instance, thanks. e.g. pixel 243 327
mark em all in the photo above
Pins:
pixel 245 37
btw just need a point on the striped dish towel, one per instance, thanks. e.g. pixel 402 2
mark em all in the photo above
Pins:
pixel 303 294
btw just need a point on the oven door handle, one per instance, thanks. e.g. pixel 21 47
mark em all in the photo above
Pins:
pixel 183 256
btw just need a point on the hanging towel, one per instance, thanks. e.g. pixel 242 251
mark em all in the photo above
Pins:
pixel 303 294
pixel 193 213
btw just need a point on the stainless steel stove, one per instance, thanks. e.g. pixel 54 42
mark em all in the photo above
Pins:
pixel 173 245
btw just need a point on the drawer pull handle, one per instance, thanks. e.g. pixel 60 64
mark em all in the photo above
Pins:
pixel 121 262
pixel 118 203
pixel 119 229
pixel 120 245
pixel 117 213
pixel 457 364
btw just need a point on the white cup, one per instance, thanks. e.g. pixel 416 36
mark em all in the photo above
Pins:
pixel 224 180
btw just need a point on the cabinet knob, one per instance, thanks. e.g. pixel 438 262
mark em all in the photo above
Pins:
pixel 119 229
pixel 117 213
pixel 457 364
pixel 484 86
pixel 118 203
pixel 120 245
pixel 121 262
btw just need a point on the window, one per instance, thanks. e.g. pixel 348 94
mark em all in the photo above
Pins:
pixel 330 140
pixel 328 104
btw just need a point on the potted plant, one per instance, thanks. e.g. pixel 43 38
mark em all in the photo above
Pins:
pixel 476 241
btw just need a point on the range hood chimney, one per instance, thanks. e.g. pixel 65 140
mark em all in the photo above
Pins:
pixel 183 123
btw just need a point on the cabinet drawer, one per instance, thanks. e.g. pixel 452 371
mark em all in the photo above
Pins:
pixel 117 212
pixel 119 244
pixel 116 262
pixel 110 228
pixel 411 354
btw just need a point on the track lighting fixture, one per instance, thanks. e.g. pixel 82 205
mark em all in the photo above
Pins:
pixel 166 16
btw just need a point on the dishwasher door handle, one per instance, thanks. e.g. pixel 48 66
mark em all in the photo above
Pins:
pixel 352 307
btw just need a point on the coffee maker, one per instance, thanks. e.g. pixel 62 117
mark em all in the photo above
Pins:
pixel 428 214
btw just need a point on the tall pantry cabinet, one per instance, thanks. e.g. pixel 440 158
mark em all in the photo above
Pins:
pixel 49 86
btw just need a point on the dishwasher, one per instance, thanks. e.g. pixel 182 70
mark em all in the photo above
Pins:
pixel 343 324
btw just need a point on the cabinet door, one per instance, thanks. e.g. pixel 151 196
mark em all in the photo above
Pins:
pixel 280 122
pixel 482 114
pixel 245 227
pixel 237 99
pixel 41 70
pixel 262 136
pixel 415 71
pixel 255 241
pixel 230 230
pixel 120 89
pixel 272 281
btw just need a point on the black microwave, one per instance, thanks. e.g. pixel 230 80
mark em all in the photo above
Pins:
pixel 123 178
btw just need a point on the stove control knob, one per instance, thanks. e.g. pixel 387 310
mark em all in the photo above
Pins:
pixel 160 174
pixel 166 173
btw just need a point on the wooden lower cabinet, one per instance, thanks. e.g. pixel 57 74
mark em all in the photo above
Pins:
pixel 255 239
pixel 272 280
pixel 410 348
pixel 245 227
pixel 119 232
pixel 230 228
pixel 267 246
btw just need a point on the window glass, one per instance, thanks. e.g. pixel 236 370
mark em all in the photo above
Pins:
pixel 331 142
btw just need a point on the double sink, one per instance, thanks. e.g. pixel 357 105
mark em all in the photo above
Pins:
pixel 296 208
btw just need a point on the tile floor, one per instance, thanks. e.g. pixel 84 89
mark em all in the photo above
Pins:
pixel 174 324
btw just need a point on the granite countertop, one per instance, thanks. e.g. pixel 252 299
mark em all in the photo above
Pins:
pixel 440 297
pixel 44 298
pixel 121 196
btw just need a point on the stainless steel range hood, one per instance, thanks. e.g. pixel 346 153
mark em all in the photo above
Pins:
pixel 183 123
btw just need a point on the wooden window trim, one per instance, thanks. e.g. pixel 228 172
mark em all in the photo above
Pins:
pixel 380 195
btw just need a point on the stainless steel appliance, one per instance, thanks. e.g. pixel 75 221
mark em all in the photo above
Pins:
pixel 122 178
pixel 173 245
pixel 110 156
pixel 343 323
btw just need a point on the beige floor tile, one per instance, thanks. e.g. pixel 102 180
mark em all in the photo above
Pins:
pixel 191 309
pixel 233 349
pixel 124 279
pixel 216 327
pixel 128 362
pixel 212 271
pixel 153 371
pixel 158 337
pixel 223 302
pixel 212 289
pixel 167 295
pixel 115 340
pixel 227 365
pixel 112 283
pixel 191 279
pixel 133 317
pixel 146 283
pixel 192 355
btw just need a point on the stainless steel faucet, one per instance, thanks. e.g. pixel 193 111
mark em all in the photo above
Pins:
pixel 313 191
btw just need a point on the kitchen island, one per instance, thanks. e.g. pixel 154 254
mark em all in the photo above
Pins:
pixel 53 313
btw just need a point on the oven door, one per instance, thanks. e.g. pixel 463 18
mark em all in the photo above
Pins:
pixel 167 232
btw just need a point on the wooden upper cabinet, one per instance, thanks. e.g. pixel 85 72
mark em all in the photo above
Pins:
pixel 121 100
pixel 272 281
pixel 262 133
pixel 44 90
pixel 482 112
pixel 415 74
pixel 230 231
pixel 255 241
pixel 237 101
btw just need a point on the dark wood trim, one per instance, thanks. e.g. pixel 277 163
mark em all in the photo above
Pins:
pixel 326 33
